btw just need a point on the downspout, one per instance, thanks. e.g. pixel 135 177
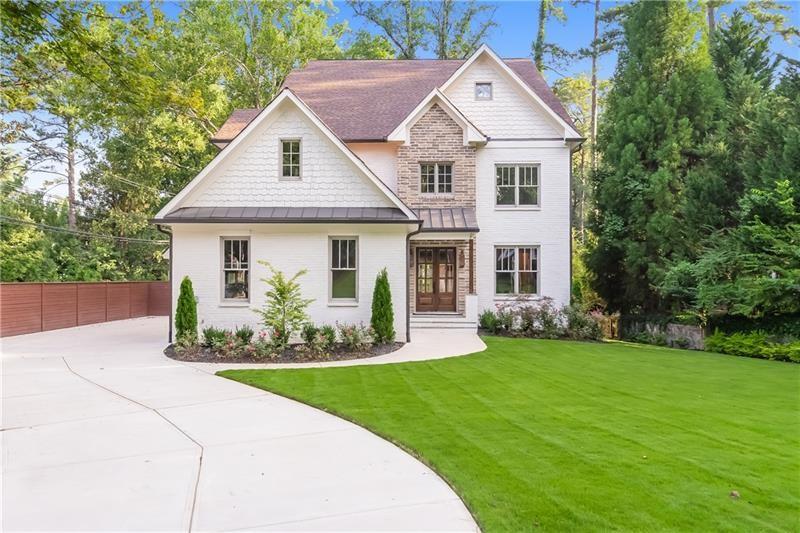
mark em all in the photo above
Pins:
pixel 171 252
pixel 408 281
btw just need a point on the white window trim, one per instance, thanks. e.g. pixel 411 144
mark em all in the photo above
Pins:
pixel 436 178
pixel 516 294
pixel 517 207
pixel 491 91
pixel 342 302
pixel 234 302
pixel 280 159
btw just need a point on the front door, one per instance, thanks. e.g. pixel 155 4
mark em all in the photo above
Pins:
pixel 436 279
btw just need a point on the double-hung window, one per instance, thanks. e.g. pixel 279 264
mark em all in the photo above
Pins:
pixel 235 269
pixel 290 158
pixel 436 178
pixel 517 185
pixel 344 268
pixel 516 270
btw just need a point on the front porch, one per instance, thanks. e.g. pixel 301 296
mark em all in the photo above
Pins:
pixel 442 281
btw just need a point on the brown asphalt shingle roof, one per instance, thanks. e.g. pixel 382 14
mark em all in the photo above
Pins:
pixel 364 100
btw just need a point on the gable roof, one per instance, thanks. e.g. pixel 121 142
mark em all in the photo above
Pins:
pixel 284 95
pixel 471 132
pixel 365 100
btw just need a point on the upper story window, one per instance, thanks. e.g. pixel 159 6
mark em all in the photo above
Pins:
pixel 517 185
pixel 436 178
pixel 235 269
pixel 483 91
pixel 290 158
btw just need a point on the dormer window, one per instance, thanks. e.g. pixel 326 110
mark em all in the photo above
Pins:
pixel 483 91
pixel 290 158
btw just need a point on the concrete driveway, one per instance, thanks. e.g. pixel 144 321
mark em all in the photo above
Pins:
pixel 102 432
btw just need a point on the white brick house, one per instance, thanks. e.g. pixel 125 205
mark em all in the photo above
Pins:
pixel 454 175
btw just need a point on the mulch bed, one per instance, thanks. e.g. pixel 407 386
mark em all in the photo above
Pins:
pixel 294 354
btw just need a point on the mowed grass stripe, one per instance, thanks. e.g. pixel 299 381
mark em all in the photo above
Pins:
pixel 558 435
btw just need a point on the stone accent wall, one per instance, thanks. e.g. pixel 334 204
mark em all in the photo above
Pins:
pixel 462 273
pixel 436 138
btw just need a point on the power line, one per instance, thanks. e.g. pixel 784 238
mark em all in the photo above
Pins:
pixel 79 232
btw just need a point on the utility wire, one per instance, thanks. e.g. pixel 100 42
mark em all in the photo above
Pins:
pixel 79 232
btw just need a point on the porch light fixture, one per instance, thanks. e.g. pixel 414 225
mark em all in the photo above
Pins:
pixel 461 260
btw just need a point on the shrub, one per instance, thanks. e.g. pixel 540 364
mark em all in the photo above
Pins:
pixel 186 343
pixel 355 337
pixel 488 321
pixel 308 332
pixel 262 347
pixel 214 337
pixel 756 344
pixel 582 325
pixel 329 332
pixel 244 334
pixel 285 310
pixel 382 320
pixel 505 320
pixel 186 313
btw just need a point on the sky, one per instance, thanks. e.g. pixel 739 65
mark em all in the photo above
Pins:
pixel 512 37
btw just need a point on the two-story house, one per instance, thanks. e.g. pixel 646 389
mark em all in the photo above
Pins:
pixel 454 175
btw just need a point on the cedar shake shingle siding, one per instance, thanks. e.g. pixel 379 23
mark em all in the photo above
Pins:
pixel 436 138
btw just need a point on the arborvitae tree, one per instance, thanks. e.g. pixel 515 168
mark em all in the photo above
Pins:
pixel 186 314
pixel 382 320
pixel 663 106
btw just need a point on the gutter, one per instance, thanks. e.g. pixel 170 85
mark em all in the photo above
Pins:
pixel 160 228
pixel 408 281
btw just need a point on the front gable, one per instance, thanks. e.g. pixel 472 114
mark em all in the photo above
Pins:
pixel 509 114
pixel 247 173
pixel 251 176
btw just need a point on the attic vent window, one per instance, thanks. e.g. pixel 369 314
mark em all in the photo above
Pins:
pixel 483 91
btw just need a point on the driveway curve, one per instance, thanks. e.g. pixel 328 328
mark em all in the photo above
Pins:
pixel 101 432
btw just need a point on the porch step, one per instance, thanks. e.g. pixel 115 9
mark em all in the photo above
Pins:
pixel 442 321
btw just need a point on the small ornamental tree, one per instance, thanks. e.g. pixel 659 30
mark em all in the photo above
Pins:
pixel 285 311
pixel 186 313
pixel 382 320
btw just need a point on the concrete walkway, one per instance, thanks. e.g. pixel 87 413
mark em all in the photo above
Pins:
pixel 101 432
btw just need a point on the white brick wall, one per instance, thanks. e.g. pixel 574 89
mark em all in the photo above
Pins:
pixel 250 177
pixel 509 115
pixel 196 253
pixel 547 227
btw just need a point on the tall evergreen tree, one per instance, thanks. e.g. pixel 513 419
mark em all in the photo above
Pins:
pixel 661 110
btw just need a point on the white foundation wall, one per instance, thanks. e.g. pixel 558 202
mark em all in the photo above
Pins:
pixel 547 227
pixel 510 114
pixel 196 253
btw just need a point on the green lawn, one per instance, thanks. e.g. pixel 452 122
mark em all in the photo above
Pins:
pixel 578 436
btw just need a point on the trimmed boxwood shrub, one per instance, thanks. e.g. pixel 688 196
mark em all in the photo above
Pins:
pixel 756 344
pixel 186 313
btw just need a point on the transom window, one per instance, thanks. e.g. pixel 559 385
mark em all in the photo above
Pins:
pixel 290 158
pixel 344 268
pixel 483 91
pixel 436 178
pixel 517 185
pixel 235 269
pixel 516 270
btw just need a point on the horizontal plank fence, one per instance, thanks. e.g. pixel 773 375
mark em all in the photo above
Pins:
pixel 33 307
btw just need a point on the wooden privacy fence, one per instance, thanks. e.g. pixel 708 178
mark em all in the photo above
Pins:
pixel 32 307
